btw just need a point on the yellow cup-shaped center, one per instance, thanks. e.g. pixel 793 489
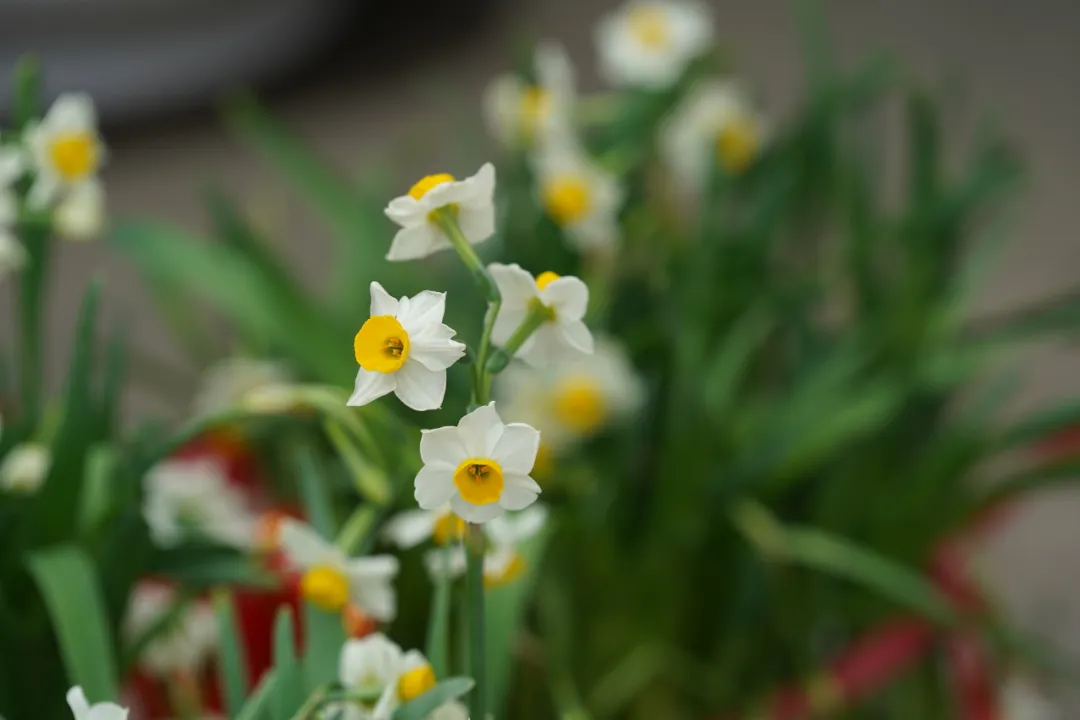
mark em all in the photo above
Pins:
pixel 415 682
pixel 448 528
pixel 566 198
pixel 74 155
pixel 479 480
pixel 427 183
pixel 508 574
pixel 736 146
pixel 382 345
pixel 545 278
pixel 649 26
pixel 325 587
pixel 580 405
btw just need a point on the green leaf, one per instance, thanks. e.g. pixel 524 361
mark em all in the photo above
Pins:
pixel 256 707
pixel 69 586
pixel 732 359
pixel 1041 478
pixel 427 703
pixel 197 567
pixel 27 100
pixel 369 480
pixel 323 638
pixel 313 491
pixel 438 634
pixel 1039 426
pixel 289 683
pixel 232 664
pixel 98 491
pixel 113 384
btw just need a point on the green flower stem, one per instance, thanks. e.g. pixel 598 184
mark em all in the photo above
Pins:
pixel 538 315
pixel 35 239
pixel 474 580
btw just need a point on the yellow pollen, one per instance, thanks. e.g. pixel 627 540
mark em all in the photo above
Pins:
pixel 545 278
pixel 736 146
pixel 566 199
pixel 75 155
pixel 511 572
pixel 448 528
pixel 480 481
pixel 426 184
pixel 382 345
pixel 325 587
pixel 535 105
pixel 415 683
pixel 579 405
pixel 649 25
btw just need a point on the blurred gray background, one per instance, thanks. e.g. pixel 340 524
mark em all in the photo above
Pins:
pixel 399 78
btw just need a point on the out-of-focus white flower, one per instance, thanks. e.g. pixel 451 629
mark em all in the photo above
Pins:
pixel 331 579
pixel 573 399
pixel 66 149
pixel 480 466
pixel 12 253
pixel 405 348
pixel 227 383
pixel 81 708
pixel 24 468
pixel 564 298
pixel 472 202
pixel 578 195
pixel 412 527
pixel 194 496
pixel 715 125
pixel 446 562
pixel 520 113
pixel 452 710
pixel 375 670
pixel 503 563
pixel 81 214
pixel 184 645
pixel 649 43
pixel 1022 701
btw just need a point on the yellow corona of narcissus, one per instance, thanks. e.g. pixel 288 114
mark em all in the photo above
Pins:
pixel 412 527
pixel 480 466
pixel 331 580
pixel 650 43
pixel 471 202
pixel 521 113
pixel 405 348
pixel 578 195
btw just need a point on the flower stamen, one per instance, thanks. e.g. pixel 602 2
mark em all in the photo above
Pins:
pixel 382 345
pixel 480 481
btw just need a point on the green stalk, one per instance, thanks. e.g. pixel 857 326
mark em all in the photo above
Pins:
pixel 35 239
pixel 538 315
pixel 474 581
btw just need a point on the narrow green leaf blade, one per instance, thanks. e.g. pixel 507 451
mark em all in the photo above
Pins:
pixel 369 480
pixel 288 686
pixel 323 638
pixel 232 664
pixel 313 491
pixel 447 690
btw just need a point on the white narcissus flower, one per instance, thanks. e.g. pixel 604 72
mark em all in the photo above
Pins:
pixel 228 382
pixel 412 527
pixel 480 466
pixel 519 113
pixel 574 399
pixel 24 468
pixel 81 708
pixel 184 645
pixel 405 348
pixel 194 496
pixel 503 563
pixel 578 195
pixel 81 214
pixel 715 125
pixel 375 668
pixel 12 253
pixel 331 579
pixel 471 201
pixel 564 298
pixel 650 43
pixel 66 150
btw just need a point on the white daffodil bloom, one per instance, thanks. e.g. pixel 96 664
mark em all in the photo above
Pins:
pixel 184 645
pixel 12 253
pixel 480 466
pixel 375 669
pixel 574 399
pixel 412 527
pixel 187 496
pixel 66 150
pixel 650 43
pixel 81 214
pixel 578 195
pixel 226 383
pixel 519 113
pixel 81 708
pixel 331 579
pixel 715 125
pixel 565 299
pixel 452 710
pixel 471 201
pixel 405 348
pixel 503 562
pixel 446 562
pixel 24 468
pixel 1020 700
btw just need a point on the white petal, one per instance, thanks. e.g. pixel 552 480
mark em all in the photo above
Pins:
pixel 506 323
pixel 445 562
pixel 477 223
pixel 373 656
pixel 385 706
pixel 516 286
pixel 72 111
pixel 107 711
pixel 443 446
pixel 12 164
pixel 413 243
pixel 420 388
pixel 304 546
pixel 423 309
pixel 382 302
pixel 76 700
pixel 406 211
pixel 450 710
pixel 374 567
pixel 435 348
pixel 482 186
pixel 44 189
pixel 555 71
pixel 480 430
pixel 569 296
pixel 434 486
pixel 12 254
pixel 475 513
pixel 412 660
pixel 527 523
pixel 545 346
pixel 81 214
pixel 519 491
pixel 516 449
pixel 371 385
pixel 577 336
pixel 411 527
pixel 502 105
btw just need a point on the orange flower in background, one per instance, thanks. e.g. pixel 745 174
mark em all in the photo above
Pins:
pixel 357 623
